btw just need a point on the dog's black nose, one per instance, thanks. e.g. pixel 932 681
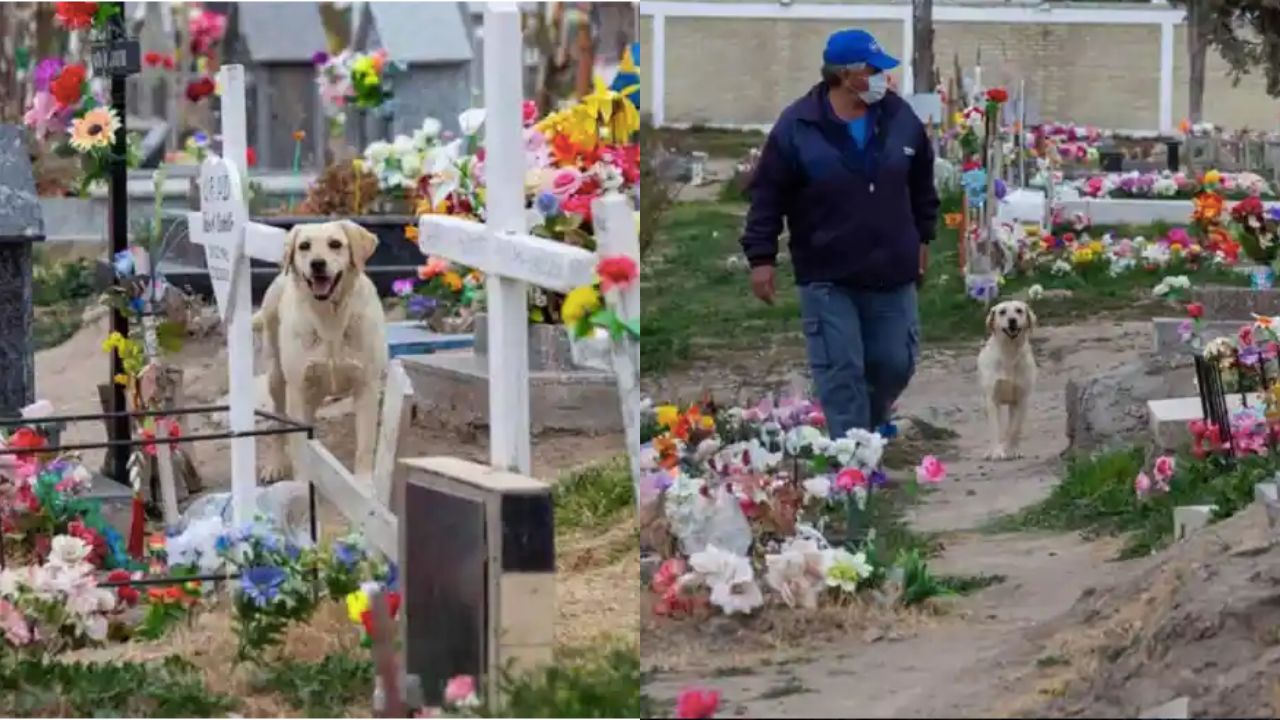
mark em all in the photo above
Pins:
pixel 319 265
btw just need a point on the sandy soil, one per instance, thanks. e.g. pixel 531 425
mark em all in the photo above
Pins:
pixel 981 647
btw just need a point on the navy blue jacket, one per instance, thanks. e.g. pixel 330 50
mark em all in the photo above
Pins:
pixel 856 217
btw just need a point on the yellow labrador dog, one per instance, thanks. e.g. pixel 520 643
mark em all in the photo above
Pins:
pixel 1007 374
pixel 325 334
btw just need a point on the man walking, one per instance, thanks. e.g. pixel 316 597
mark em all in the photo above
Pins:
pixel 850 169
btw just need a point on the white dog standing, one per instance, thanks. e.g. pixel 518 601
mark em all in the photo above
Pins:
pixel 1007 373
pixel 326 334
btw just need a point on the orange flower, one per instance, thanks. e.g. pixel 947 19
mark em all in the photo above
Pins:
pixel 453 280
pixel 1208 207
pixel 411 233
pixel 435 266
pixel 953 220
pixel 1185 126
pixel 668 451
pixel 299 135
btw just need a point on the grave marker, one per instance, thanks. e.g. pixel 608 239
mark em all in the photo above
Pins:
pixel 229 241
pixel 21 224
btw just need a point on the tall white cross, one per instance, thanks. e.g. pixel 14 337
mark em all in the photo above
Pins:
pixel 502 248
pixel 222 226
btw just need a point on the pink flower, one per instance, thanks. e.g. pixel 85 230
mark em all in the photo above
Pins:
pixel 529 111
pixel 1164 468
pixel 1142 485
pixel 931 470
pixel 461 692
pixel 850 478
pixel 668 574
pixel 566 182
pixel 45 116
pixel 697 703
pixel 14 625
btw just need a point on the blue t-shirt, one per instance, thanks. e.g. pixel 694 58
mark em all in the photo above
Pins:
pixel 858 131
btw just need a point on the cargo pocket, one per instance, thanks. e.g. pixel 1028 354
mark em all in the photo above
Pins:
pixel 816 345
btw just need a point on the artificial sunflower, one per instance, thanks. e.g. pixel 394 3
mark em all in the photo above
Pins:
pixel 96 129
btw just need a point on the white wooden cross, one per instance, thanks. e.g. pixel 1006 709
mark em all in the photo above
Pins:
pixel 222 226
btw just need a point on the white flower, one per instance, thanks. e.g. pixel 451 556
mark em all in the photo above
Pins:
pixel 706 449
pixel 796 573
pixel 1060 267
pixel 741 597
pixel 844 570
pixel 761 459
pixel 431 127
pixel 37 409
pixel 471 120
pixel 818 487
pixel 1035 292
pixel 441 164
pixel 1181 282
pixel 67 550
pixel 197 545
pixel 9 580
pixel 868 447
pixel 801 438
pixel 730 577
pixel 1160 290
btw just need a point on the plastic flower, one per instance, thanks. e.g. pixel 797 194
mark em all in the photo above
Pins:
pixel 402 287
pixel 357 605
pixel 844 570
pixel 1195 310
pixel 796 573
pixel 471 120
pixel 850 478
pixel 579 304
pixel 68 87
pixel 697 703
pixel 931 470
pixel 1164 469
pixel 45 116
pixel 547 204
pixel 460 692
pixel 95 130
pixel 262 583
pixel 616 271
pixel 1142 485
pixel 730 577
pixel 76 15
pixel 46 70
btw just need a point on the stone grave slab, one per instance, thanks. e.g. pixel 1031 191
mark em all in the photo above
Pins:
pixel 1169 417
pixel 1225 302
pixel 411 338
pixel 1167 342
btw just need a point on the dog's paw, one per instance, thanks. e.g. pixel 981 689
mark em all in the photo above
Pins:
pixel 275 468
pixel 1013 453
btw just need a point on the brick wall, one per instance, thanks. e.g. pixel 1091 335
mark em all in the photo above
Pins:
pixel 744 71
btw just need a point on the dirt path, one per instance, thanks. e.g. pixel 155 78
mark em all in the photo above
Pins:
pixel 959 664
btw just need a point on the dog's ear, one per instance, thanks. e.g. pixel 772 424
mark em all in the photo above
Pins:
pixel 360 242
pixel 290 244
pixel 991 321
pixel 1031 318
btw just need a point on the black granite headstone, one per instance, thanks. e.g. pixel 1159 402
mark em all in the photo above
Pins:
pixel 21 224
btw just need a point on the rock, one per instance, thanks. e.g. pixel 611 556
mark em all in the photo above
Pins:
pixel 1172 710
pixel 872 635
pixel 1110 408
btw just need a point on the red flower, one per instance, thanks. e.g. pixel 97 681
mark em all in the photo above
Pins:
pixel 697 703
pixel 1246 335
pixel 529 111
pixel 393 607
pixel 68 87
pixel 169 62
pixel 198 90
pixel 152 59
pixel 578 205
pixel 127 594
pixel 76 15
pixel 251 157
pixel 997 95
pixel 616 271
pixel 97 544
pixel 1195 310
pixel 1069 238
pixel 25 439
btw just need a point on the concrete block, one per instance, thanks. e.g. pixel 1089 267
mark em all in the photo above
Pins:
pixel 1222 302
pixel 1167 342
pixel 1266 492
pixel 1177 709
pixel 1169 417
pixel 1190 518
pixel 453 391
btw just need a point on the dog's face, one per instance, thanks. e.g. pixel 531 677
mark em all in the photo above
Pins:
pixel 1013 318
pixel 325 255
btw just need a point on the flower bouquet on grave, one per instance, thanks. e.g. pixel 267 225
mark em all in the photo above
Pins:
pixel 593 313
pixel 1255 228
pixel 401 166
pixel 350 79
pixel 441 297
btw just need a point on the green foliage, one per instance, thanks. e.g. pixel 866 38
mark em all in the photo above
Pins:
pixel 593 496
pixel 1097 496
pixel 325 688
pixel 918 581
pixel 54 283
pixel 597 683
pixel 168 688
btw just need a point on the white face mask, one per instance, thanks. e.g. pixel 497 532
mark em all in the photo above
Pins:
pixel 877 86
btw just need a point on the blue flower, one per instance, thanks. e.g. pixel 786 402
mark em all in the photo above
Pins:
pixel 346 554
pixel 123 263
pixel 420 305
pixel 222 544
pixel 292 550
pixel 200 139
pixel 262 584
pixel 547 204
pixel 888 431
pixel 137 305
pixel 393 576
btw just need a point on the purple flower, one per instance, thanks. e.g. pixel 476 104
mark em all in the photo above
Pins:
pixel 1185 330
pixel 346 554
pixel 879 479
pixel 1273 213
pixel 402 287
pixel 1249 355
pixel 320 58
pixel 421 305
pixel 46 70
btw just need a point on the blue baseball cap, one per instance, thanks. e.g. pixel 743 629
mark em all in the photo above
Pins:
pixel 846 47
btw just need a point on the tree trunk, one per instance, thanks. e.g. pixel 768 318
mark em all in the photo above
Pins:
pixel 1197 49
pixel 922 40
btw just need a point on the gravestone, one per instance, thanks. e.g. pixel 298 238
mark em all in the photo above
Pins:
pixel 21 224
pixel 1223 302
pixel 437 76
pixel 276 41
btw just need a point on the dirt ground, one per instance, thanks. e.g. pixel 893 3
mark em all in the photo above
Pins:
pixel 982 650
pixel 597 593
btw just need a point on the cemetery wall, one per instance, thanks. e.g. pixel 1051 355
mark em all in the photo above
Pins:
pixel 739 63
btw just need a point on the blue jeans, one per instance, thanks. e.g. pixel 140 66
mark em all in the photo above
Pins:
pixel 862 348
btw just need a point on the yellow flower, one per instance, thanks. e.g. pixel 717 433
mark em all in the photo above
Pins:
pixel 1095 247
pixel 1212 177
pixel 121 379
pixel 95 130
pixel 357 603
pixel 113 341
pixel 958 118
pixel 411 233
pixel 668 415
pixel 579 304
pixel 363 65
pixel 453 280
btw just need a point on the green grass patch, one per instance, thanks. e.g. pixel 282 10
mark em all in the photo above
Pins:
pixel 969 584
pixel 600 682
pixel 49 688
pixel 696 304
pixel 594 496
pixel 1097 497
pixel 323 688
pixel 55 324
pixel 60 291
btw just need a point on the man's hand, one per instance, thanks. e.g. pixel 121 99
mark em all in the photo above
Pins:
pixel 762 283
pixel 924 265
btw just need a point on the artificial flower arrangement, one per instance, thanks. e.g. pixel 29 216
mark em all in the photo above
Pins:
pixel 1160 185
pixel 1068 142
pixel 353 80
pixel 732 497
pixel 1254 229
pixel 441 296
pixel 594 309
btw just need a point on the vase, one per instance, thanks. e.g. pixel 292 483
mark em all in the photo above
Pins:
pixel 1262 278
